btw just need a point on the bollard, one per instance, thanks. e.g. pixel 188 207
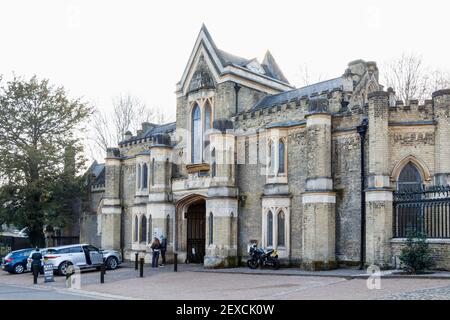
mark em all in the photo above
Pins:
pixel 35 273
pixel 175 262
pixel 102 273
pixel 141 271
pixel 136 260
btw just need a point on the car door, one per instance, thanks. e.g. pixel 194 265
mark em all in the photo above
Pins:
pixel 95 255
pixel 77 256
pixel 24 256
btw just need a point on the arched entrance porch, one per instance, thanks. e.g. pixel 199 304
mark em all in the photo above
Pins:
pixel 190 228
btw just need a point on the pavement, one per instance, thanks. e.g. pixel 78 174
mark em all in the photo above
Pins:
pixel 195 282
pixel 13 292
pixel 348 273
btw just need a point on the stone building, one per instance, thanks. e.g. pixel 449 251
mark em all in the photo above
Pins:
pixel 251 159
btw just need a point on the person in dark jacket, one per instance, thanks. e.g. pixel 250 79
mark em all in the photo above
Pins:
pixel 155 246
pixel 36 262
pixel 163 248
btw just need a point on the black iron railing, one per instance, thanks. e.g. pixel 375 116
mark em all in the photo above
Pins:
pixel 422 209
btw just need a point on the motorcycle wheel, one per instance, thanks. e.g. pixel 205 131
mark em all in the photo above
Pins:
pixel 252 264
pixel 276 264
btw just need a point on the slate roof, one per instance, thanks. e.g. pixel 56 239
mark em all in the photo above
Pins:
pixel 271 68
pixel 276 99
pixel 228 58
pixel 97 170
pixel 163 128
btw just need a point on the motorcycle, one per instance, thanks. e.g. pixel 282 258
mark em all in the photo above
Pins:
pixel 263 258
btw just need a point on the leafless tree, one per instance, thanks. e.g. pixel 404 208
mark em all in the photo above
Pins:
pixel 307 77
pixel 439 80
pixel 412 79
pixel 109 128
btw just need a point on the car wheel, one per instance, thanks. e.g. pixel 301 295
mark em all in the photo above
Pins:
pixel 19 268
pixel 64 268
pixel 112 263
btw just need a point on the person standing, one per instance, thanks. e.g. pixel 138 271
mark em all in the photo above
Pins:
pixel 155 246
pixel 163 250
pixel 36 262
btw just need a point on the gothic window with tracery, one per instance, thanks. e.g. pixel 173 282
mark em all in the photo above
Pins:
pixel 196 140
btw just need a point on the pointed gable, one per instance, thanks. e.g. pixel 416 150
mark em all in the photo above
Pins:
pixel 202 77
pixel 272 68
pixel 224 66
pixel 255 66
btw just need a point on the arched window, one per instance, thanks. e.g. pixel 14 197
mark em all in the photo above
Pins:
pixel 168 230
pixel 144 176
pixel 213 162
pixel 270 229
pixel 211 228
pixel 208 117
pixel 150 237
pixel 281 156
pixel 281 231
pixel 196 140
pixel 153 172
pixel 136 229
pixel 207 125
pixel 139 176
pixel 409 178
pixel 143 233
pixel 271 157
pixel 168 173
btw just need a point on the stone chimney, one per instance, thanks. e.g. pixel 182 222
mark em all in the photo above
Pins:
pixel 127 136
pixel 392 100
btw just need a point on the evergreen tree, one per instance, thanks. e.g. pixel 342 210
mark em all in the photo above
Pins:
pixel 415 256
pixel 39 126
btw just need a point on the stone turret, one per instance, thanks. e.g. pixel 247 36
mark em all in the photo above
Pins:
pixel 112 209
pixel 160 205
pixel 222 202
pixel 379 192
pixel 441 102
pixel 318 200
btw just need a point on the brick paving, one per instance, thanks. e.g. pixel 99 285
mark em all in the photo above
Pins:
pixel 194 282
pixel 440 293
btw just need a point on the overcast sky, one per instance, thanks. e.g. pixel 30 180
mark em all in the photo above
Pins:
pixel 100 49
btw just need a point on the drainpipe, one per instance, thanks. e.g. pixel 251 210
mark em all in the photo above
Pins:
pixel 122 231
pixel 236 90
pixel 362 129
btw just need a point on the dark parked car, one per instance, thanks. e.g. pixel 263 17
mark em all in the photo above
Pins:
pixel 16 261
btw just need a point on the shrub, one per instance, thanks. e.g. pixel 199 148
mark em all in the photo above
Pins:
pixel 416 256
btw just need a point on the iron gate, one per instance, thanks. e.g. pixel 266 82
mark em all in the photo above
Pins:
pixel 421 209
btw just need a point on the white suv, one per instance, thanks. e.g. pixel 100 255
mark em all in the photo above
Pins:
pixel 83 256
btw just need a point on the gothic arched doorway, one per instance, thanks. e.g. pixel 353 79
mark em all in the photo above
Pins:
pixel 195 216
